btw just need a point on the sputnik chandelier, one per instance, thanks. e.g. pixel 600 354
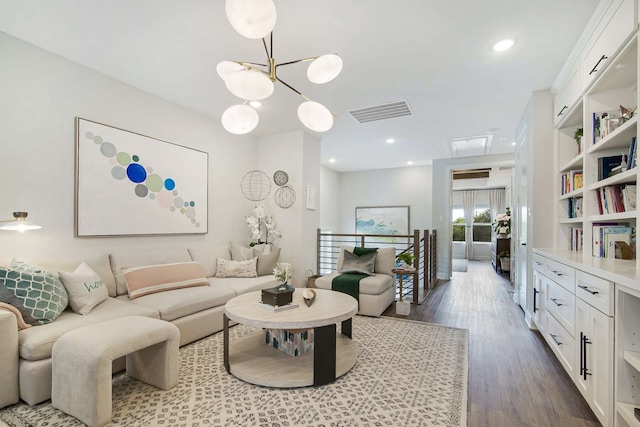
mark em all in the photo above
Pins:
pixel 255 19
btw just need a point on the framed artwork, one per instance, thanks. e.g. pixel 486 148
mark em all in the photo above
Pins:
pixel 390 220
pixel 130 184
pixel 311 197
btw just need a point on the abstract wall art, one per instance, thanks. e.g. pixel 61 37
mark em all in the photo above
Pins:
pixel 132 184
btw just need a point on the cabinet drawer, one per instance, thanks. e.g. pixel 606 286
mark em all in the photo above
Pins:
pixel 561 342
pixel 595 291
pixel 562 304
pixel 618 24
pixel 561 274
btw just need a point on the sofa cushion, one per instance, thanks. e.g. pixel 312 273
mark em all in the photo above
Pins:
pixel 207 257
pixel 226 268
pixel 371 285
pixel 85 288
pixel 243 285
pixel 127 259
pixel 40 292
pixel 385 260
pixel 182 302
pixel 363 264
pixel 266 263
pixel 36 343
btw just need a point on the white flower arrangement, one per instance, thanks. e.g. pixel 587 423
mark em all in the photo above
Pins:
pixel 255 226
pixel 502 223
pixel 283 272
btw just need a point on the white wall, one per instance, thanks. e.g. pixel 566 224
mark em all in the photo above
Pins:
pixel 386 187
pixel 42 93
pixel 329 195
pixel 298 154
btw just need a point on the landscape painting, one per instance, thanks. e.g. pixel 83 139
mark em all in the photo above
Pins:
pixel 387 220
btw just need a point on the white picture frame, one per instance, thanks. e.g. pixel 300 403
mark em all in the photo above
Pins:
pixel 128 184
pixel 311 197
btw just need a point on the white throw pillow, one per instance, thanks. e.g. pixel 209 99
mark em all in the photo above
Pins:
pixel 85 288
pixel 226 268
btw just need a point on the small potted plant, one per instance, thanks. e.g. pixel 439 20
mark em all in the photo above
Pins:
pixel 502 224
pixel 406 258
pixel 578 137
pixel 505 260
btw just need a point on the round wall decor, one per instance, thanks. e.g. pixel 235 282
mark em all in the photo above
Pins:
pixel 255 185
pixel 285 197
pixel 280 178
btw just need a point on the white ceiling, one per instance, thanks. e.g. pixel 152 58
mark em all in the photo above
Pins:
pixel 436 55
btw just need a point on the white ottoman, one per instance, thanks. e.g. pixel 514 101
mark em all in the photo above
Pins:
pixel 81 376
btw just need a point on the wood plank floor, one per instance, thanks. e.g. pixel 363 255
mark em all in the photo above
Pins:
pixel 514 377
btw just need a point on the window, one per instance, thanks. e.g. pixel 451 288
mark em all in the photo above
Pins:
pixel 482 225
pixel 458 225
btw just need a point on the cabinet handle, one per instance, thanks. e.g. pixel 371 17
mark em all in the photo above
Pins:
pixel 593 70
pixel 536 263
pixel 553 337
pixel 555 301
pixel 588 290
pixel 557 273
pixel 562 111
pixel 581 353
pixel 535 293
pixel 585 341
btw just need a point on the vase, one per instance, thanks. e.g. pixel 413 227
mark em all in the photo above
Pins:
pixel 503 236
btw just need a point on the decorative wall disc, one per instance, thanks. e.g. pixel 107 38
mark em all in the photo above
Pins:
pixel 285 197
pixel 280 178
pixel 255 185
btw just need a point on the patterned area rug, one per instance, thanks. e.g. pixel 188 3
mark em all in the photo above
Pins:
pixel 407 374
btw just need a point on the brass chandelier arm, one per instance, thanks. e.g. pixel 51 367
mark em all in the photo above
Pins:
pixel 300 93
pixel 311 58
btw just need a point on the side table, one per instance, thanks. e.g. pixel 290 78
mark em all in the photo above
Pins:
pixel 403 308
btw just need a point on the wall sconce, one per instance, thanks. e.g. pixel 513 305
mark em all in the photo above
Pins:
pixel 18 223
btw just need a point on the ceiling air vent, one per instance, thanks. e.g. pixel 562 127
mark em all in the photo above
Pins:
pixel 382 112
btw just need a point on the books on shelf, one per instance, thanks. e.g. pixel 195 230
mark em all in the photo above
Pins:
pixel 574 207
pixel 571 181
pixel 575 239
pixel 616 199
pixel 605 122
pixel 605 235
pixel 631 157
pixel 606 166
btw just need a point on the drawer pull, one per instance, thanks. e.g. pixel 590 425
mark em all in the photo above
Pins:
pixel 537 263
pixel 535 293
pixel 557 273
pixel 555 301
pixel 562 111
pixel 593 70
pixel 588 290
pixel 553 337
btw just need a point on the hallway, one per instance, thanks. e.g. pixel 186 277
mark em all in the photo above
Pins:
pixel 514 377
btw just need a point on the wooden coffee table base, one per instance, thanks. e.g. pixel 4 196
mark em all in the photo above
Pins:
pixel 252 360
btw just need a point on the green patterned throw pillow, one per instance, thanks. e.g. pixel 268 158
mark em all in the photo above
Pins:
pixel 39 291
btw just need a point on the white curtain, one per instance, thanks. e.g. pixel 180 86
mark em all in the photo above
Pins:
pixel 496 202
pixel 468 204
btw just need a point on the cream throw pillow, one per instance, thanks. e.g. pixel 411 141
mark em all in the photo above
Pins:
pixel 85 288
pixel 226 268
pixel 266 263
pixel 150 279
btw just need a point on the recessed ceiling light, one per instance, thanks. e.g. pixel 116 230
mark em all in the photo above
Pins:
pixel 503 45
pixel 332 160
pixel 389 140
pixel 513 143
pixel 255 104
pixel 409 162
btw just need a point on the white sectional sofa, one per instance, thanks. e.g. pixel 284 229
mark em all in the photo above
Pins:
pixel 25 355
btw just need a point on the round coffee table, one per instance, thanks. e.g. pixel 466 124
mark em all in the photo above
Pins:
pixel 253 361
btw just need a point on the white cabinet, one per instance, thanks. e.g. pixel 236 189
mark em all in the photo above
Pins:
pixel 593 374
pixel 627 355
pixel 616 26
pixel 567 96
